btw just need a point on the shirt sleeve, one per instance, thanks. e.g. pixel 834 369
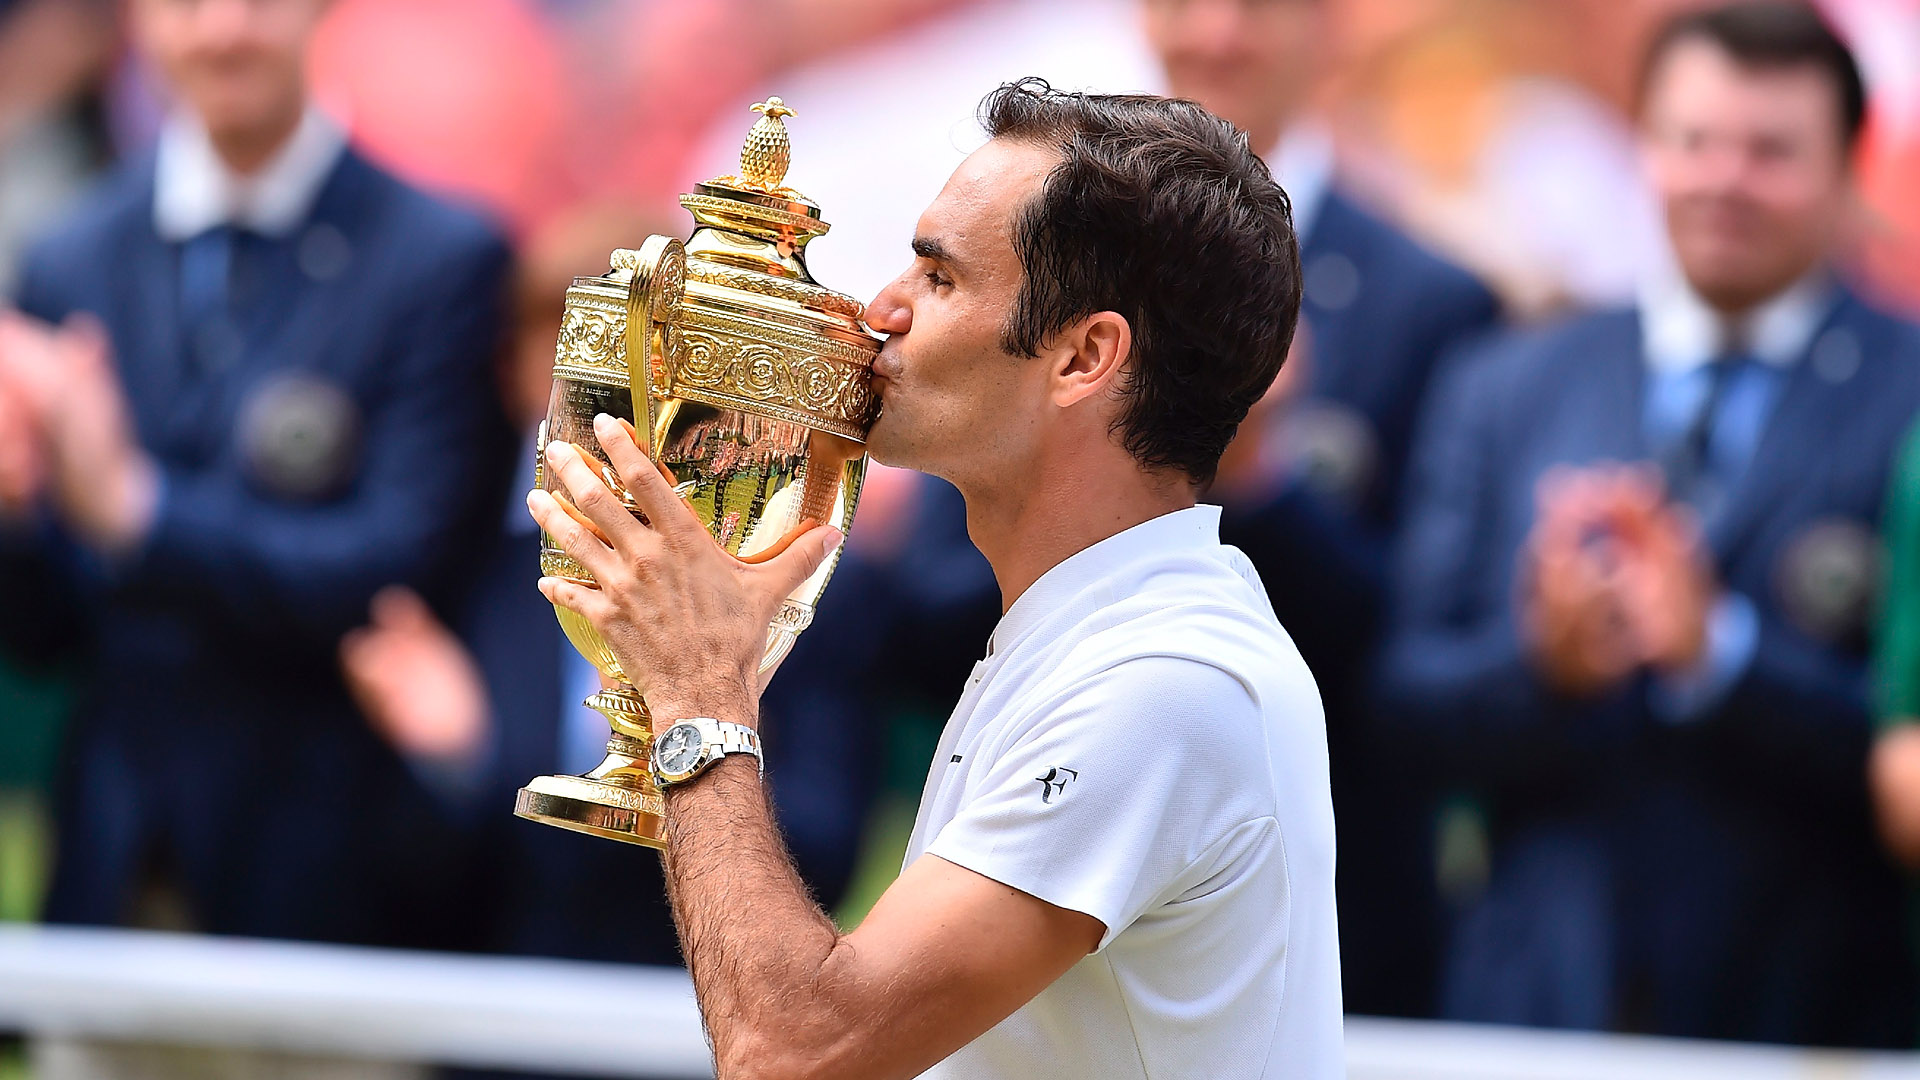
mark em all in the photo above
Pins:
pixel 1112 792
pixel 1733 636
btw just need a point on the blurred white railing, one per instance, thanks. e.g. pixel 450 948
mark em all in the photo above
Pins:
pixel 70 987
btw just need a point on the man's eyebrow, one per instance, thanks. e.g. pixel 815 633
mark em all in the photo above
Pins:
pixel 929 247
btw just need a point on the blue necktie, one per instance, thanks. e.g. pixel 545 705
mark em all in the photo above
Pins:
pixel 206 300
pixel 1688 460
pixel 206 266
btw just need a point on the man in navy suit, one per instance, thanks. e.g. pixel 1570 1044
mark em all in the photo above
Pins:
pixel 1312 491
pixel 253 380
pixel 1635 580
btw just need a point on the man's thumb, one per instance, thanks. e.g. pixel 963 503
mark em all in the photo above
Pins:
pixel 802 558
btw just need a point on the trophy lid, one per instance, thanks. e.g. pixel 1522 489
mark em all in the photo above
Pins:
pixel 756 200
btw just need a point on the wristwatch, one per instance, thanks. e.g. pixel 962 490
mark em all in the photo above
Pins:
pixel 686 749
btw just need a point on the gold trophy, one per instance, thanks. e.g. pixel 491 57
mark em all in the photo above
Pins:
pixel 748 382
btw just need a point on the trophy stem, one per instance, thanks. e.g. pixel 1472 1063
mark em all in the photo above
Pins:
pixel 618 799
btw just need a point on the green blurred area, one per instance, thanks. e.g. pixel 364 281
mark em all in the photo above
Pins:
pixel 33 706
pixel 912 737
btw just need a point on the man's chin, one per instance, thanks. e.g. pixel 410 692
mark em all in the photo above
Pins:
pixel 880 448
pixel 883 446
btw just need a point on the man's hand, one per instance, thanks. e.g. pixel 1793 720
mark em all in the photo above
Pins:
pixel 103 483
pixel 23 466
pixel 1571 615
pixel 416 682
pixel 23 458
pixel 1893 775
pixel 687 621
pixel 1666 580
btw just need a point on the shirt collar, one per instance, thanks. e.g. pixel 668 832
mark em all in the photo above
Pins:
pixel 195 191
pixel 1194 527
pixel 1303 164
pixel 1680 332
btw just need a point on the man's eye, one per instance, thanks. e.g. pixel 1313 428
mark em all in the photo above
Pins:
pixel 937 279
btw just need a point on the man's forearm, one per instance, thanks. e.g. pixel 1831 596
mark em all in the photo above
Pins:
pixel 755 941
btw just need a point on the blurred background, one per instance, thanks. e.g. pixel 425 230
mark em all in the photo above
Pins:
pixel 1617 667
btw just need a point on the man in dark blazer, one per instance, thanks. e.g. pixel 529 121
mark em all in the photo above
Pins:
pixel 1654 673
pixel 258 381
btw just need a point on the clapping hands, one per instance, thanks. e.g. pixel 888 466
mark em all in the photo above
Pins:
pixel 66 434
pixel 1616 580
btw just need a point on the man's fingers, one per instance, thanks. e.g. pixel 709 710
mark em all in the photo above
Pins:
pixel 803 557
pixel 590 493
pixel 574 538
pixel 619 442
pixel 651 490
pixel 397 607
pixel 587 603
pixel 84 341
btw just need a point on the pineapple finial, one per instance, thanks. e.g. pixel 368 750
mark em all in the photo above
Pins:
pixel 766 154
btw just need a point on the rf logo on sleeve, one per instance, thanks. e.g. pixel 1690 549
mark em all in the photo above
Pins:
pixel 1055 782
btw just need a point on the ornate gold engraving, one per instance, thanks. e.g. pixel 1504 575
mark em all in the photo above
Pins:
pixel 800 292
pixel 766 215
pixel 592 344
pixel 792 383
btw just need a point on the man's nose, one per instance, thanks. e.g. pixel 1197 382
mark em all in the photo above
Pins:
pixel 888 312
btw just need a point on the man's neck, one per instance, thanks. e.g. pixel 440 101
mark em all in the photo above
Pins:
pixel 247 151
pixel 1027 529
pixel 1265 132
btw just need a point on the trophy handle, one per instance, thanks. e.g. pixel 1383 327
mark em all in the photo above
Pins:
pixel 653 305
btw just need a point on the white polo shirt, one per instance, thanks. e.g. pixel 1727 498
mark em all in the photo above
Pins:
pixel 1143 744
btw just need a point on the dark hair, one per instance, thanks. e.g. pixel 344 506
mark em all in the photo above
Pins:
pixel 1769 34
pixel 1160 212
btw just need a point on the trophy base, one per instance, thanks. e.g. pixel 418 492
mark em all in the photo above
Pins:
pixel 616 810
pixel 618 799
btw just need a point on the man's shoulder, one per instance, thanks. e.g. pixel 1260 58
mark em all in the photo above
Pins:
pixel 1193 622
pixel 1508 373
pixel 423 232
pixel 116 207
pixel 1398 263
pixel 1882 338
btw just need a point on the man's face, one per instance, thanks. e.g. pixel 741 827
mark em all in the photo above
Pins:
pixel 1251 62
pixel 238 64
pixel 953 402
pixel 1751 166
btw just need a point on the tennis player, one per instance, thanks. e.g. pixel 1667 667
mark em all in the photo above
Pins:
pixel 1123 861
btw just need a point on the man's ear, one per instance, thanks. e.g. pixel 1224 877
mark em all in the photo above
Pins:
pixel 1089 356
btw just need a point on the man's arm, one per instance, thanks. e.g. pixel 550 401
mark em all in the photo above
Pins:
pixel 945 955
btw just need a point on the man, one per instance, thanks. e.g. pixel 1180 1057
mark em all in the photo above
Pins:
pixel 1123 863
pixel 268 395
pixel 1655 673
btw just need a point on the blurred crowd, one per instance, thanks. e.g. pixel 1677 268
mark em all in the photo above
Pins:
pixel 1587 492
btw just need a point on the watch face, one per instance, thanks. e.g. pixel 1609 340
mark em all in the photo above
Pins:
pixel 679 749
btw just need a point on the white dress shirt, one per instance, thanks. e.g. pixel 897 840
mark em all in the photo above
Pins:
pixel 1303 165
pixel 194 190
